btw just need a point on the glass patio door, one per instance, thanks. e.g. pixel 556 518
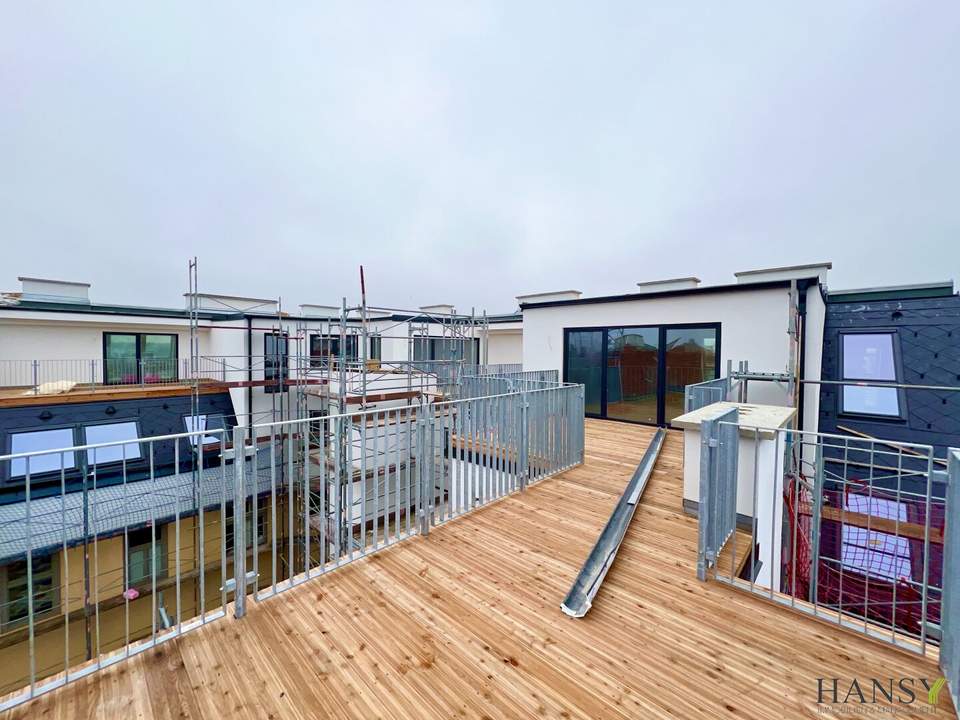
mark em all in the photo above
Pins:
pixel 639 374
pixel 120 359
pixel 691 357
pixel 633 359
pixel 585 365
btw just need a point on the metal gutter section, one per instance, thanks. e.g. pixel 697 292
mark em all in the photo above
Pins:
pixel 588 581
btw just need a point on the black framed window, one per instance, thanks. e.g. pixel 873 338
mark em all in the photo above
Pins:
pixel 135 358
pixel 870 357
pixel 13 589
pixel 275 353
pixel 326 348
pixel 434 348
pixel 375 347
pixel 639 373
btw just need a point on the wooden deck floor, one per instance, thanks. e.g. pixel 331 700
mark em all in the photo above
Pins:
pixel 466 623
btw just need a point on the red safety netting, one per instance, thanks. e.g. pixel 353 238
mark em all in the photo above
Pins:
pixel 863 570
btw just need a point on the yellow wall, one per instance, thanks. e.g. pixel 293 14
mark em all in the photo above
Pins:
pixel 118 620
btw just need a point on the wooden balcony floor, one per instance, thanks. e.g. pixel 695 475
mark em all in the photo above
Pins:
pixel 84 392
pixel 466 623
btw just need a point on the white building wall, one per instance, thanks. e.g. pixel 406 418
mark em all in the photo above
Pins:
pixel 753 327
pixel 505 347
pixel 813 357
pixel 68 336
pixel 65 343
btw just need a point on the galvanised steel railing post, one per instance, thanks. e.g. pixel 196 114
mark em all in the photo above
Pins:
pixel 818 482
pixel 524 439
pixel 36 376
pixel 708 456
pixel 422 513
pixel 239 524
pixel 950 600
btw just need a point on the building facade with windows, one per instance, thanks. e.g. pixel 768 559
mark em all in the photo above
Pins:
pixel 636 353
pixel 74 372
pixel 908 336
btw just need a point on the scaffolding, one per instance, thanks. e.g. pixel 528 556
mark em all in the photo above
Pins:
pixel 337 359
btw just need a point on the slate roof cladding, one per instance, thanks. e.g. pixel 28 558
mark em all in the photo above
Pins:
pixel 928 330
pixel 155 416
pixel 59 520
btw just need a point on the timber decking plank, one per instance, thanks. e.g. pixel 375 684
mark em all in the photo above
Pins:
pixel 466 623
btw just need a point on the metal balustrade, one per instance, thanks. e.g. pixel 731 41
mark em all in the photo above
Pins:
pixel 950 610
pixel 850 530
pixel 32 376
pixel 118 547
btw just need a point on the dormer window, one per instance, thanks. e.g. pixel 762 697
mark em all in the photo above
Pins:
pixel 872 358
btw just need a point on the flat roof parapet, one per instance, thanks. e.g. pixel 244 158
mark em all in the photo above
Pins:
pixel 787 272
pixel 683 283
pixel 541 297
pixel 44 290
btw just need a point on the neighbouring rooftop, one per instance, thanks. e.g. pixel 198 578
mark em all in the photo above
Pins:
pixel 466 622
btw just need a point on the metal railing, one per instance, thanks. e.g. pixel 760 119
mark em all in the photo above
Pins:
pixel 706 393
pixel 476 386
pixel 39 376
pixel 494 369
pixel 847 529
pixel 950 612
pixel 120 546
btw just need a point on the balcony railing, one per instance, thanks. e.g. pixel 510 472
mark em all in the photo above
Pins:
pixel 163 536
pixel 40 376
pixel 854 531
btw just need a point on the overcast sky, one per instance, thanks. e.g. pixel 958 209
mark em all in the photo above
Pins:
pixel 466 153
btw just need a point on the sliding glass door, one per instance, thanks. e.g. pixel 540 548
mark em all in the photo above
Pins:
pixel 691 357
pixel 585 365
pixel 638 374
pixel 632 370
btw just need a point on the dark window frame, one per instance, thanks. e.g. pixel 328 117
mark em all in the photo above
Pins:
pixel 276 365
pixel 53 596
pixel 317 358
pixel 901 417
pixel 432 342
pixel 112 464
pixel 138 335
pixel 78 463
pixel 661 361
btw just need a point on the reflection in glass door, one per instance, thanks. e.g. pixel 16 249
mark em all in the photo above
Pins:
pixel 640 374
pixel 632 363
pixel 585 365
pixel 690 357
pixel 119 358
